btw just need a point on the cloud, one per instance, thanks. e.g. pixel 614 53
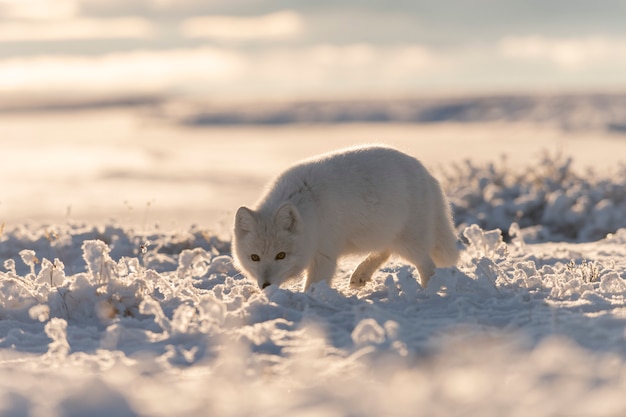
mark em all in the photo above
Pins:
pixel 314 71
pixel 38 9
pixel 225 72
pixel 59 9
pixel 175 9
pixel 345 66
pixel 78 28
pixel 122 72
pixel 273 26
pixel 566 53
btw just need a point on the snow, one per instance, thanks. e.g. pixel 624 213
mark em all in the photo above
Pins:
pixel 514 329
pixel 130 318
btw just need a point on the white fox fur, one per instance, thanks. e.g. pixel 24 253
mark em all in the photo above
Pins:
pixel 366 200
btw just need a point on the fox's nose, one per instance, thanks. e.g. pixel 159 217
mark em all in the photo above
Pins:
pixel 265 285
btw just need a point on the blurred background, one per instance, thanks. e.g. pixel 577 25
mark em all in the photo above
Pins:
pixel 179 110
pixel 294 49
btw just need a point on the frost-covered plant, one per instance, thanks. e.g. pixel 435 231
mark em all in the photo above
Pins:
pixel 587 271
pixel 549 200
pixel 87 274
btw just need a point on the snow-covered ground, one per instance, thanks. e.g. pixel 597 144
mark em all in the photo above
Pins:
pixel 103 317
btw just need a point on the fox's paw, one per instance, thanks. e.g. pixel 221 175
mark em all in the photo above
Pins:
pixel 359 278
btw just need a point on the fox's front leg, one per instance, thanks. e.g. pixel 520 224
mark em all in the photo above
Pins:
pixel 364 271
pixel 321 268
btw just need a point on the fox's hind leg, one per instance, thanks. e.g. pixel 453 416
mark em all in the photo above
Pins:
pixel 422 261
pixel 364 271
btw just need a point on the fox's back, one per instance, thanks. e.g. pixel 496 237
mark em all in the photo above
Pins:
pixel 373 175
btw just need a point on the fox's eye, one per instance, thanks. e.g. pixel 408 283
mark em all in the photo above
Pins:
pixel 280 255
pixel 255 257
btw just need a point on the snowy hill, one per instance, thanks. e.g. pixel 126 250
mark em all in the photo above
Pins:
pixel 605 112
pixel 570 112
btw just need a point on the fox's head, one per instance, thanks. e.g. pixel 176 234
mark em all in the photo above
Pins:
pixel 268 247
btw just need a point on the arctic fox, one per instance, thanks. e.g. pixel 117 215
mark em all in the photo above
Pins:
pixel 365 200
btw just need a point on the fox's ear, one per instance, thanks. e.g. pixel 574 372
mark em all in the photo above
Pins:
pixel 245 221
pixel 287 217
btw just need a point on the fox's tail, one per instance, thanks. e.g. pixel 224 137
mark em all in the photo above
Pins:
pixel 445 252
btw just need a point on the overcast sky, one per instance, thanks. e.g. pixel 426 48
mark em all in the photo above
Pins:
pixel 298 48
